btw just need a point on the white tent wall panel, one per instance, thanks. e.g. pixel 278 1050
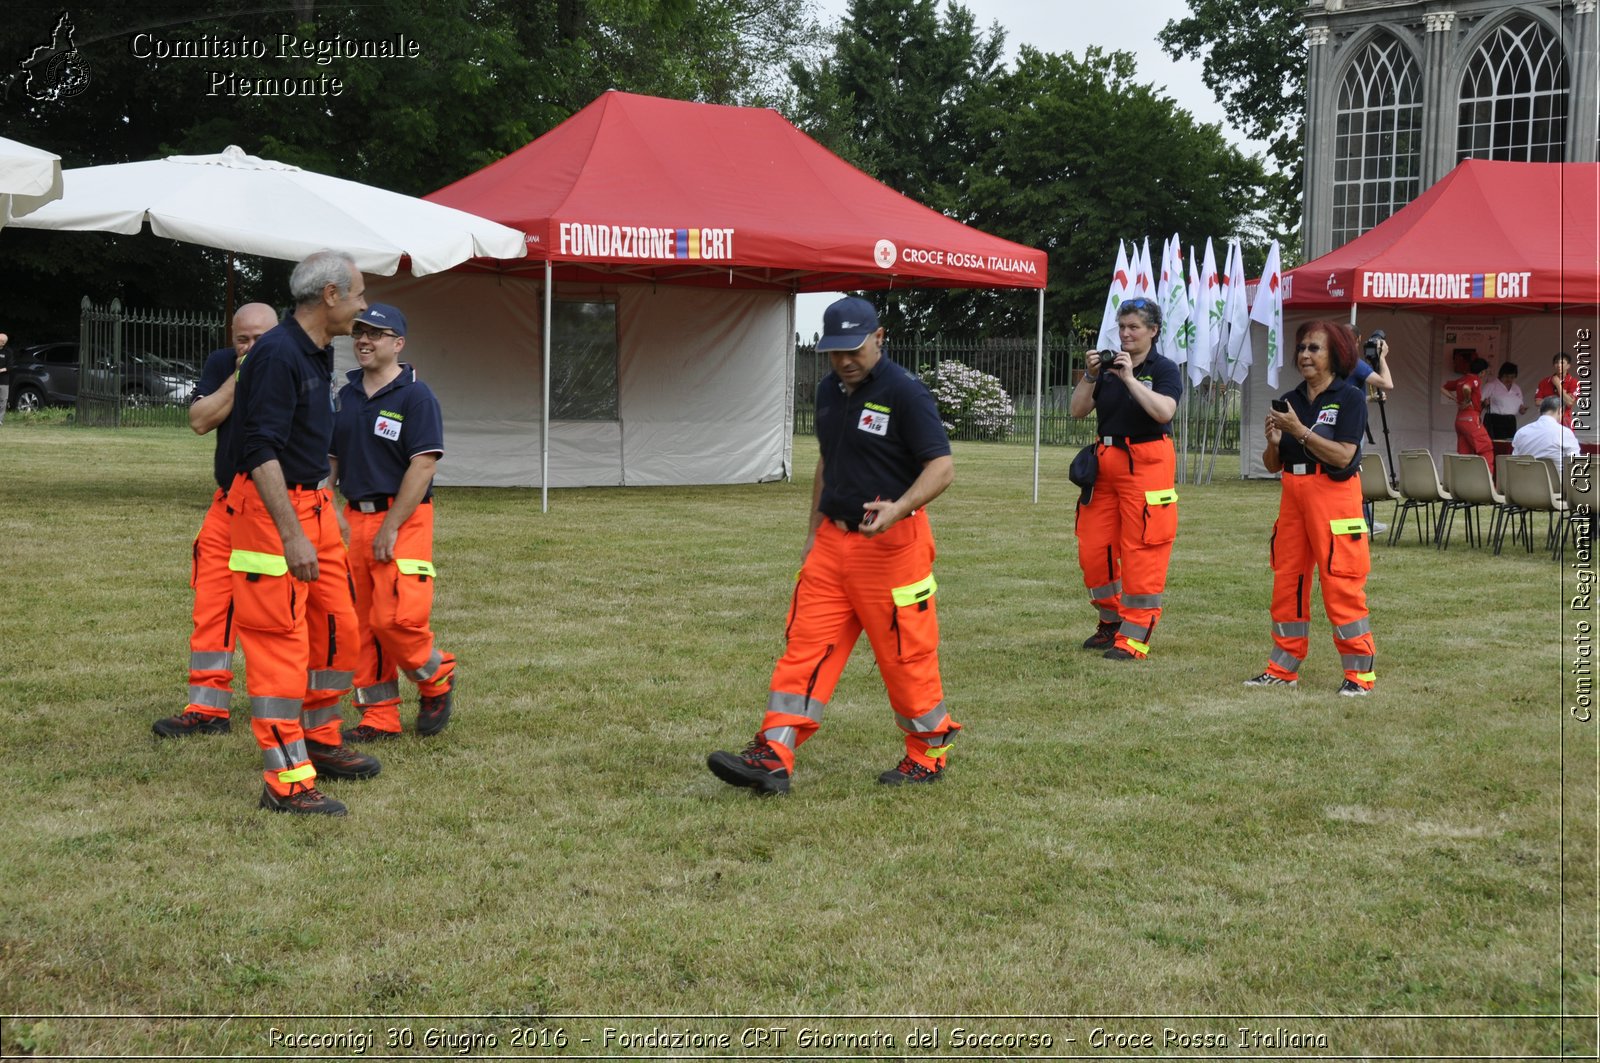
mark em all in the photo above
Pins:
pixel 705 385
pixel 1418 414
pixel 704 390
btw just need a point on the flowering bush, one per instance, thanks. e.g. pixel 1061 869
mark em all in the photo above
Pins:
pixel 972 403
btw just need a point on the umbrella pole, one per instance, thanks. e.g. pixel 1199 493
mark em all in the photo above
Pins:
pixel 227 318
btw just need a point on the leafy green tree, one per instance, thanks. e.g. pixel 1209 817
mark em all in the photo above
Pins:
pixel 488 76
pixel 1254 61
pixel 1058 153
pixel 1081 155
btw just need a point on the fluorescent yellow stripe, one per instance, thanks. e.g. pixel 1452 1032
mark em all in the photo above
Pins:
pixel 939 752
pixel 412 567
pixel 1371 677
pixel 1161 498
pixel 294 775
pixel 1142 647
pixel 261 564
pixel 912 593
pixel 1353 526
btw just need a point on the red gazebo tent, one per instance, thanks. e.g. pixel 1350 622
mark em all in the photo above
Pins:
pixel 635 192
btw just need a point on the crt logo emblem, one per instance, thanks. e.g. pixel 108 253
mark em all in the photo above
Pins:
pixel 874 422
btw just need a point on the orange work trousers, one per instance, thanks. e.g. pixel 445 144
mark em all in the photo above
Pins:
pixel 1125 536
pixel 883 586
pixel 211 640
pixel 1320 527
pixel 1471 438
pixel 394 600
pixel 300 638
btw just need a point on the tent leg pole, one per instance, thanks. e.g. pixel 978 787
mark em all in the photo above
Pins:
pixel 544 406
pixel 1038 397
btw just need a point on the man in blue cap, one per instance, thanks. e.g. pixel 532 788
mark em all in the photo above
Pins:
pixel 388 436
pixel 867 564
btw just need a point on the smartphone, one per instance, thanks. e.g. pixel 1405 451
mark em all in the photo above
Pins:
pixel 1281 405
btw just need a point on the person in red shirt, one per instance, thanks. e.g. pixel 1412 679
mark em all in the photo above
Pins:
pixel 1560 382
pixel 1467 390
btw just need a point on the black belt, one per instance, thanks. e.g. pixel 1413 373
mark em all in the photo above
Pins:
pixel 1124 441
pixel 1304 468
pixel 378 505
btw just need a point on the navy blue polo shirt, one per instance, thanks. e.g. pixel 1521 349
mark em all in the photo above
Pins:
pixel 218 368
pixel 376 438
pixel 1116 412
pixel 283 405
pixel 875 440
pixel 1339 414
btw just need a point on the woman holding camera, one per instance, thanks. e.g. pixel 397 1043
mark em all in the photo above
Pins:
pixel 1314 438
pixel 1126 529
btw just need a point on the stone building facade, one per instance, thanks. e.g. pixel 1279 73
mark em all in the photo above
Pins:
pixel 1399 91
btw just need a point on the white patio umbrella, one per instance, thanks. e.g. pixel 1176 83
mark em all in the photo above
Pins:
pixel 29 178
pixel 237 202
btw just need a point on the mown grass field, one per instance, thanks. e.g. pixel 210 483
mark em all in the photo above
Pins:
pixel 1123 848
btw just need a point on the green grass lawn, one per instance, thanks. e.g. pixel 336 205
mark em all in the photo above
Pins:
pixel 1138 841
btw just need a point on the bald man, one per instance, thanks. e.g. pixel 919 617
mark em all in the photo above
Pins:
pixel 211 642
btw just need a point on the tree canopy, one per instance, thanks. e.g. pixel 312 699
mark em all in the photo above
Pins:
pixel 1061 152
pixel 1066 154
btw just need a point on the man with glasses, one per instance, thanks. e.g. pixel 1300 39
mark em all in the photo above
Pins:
pixel 387 438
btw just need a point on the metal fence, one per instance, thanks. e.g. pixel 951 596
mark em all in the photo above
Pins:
pixel 139 368
pixel 1011 362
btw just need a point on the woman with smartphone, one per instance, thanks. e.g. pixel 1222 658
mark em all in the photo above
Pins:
pixel 1126 529
pixel 1314 439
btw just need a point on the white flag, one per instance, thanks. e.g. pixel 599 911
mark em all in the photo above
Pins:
pixel 1173 295
pixel 1236 316
pixel 1109 340
pixel 1269 311
pixel 1143 274
pixel 1207 316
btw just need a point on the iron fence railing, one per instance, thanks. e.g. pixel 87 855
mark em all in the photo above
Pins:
pixel 139 368
pixel 1011 362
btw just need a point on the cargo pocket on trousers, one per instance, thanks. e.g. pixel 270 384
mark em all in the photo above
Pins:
pixel 1160 517
pixel 264 595
pixel 1349 553
pixel 915 623
pixel 413 593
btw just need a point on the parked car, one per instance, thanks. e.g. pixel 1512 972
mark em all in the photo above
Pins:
pixel 47 374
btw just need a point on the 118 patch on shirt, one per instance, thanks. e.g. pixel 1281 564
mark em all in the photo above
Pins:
pixel 388 428
pixel 874 422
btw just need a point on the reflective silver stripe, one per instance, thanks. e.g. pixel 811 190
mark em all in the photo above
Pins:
pixel 210 697
pixel 273 760
pixel 211 661
pixel 1353 629
pixel 1294 629
pixel 317 717
pixel 425 673
pixel 1141 601
pixel 1284 659
pixel 931 720
pixel 1352 663
pixel 795 705
pixel 1112 588
pixel 378 692
pixel 328 679
pixel 275 708
pixel 780 736
pixel 1109 615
